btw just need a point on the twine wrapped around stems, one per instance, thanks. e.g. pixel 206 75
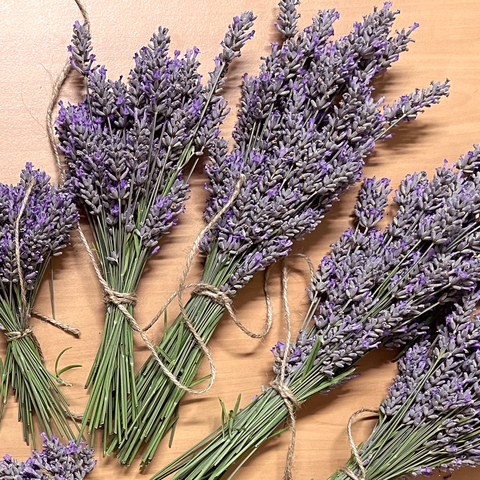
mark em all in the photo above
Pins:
pixel 122 299
pixel 279 386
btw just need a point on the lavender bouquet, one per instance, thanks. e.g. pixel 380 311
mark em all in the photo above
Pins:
pixel 374 287
pixel 306 123
pixel 58 461
pixel 127 145
pixel 429 419
pixel 35 223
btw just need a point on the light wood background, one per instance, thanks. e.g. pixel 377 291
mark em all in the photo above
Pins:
pixel 34 35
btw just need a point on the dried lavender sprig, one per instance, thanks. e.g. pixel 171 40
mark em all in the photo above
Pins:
pixel 48 217
pixel 375 287
pixel 66 462
pixel 431 408
pixel 305 126
pixel 288 18
pixel 126 146
pixel 409 106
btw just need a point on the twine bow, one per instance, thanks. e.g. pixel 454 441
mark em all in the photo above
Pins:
pixel 355 453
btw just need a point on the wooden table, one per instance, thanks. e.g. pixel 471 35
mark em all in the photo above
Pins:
pixel 34 35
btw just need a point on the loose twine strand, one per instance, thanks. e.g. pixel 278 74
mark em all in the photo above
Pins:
pixel 355 453
pixel 311 267
pixel 23 290
pixel 57 87
pixel 121 299
pixel 16 335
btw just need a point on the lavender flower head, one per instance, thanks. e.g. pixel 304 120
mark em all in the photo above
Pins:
pixel 432 406
pixel 127 144
pixel 45 226
pixel 305 126
pixel 58 461
pixel 375 285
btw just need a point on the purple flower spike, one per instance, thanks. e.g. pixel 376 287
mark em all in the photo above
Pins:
pixel 62 462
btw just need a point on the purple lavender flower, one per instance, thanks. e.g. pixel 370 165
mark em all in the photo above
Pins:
pixel 432 405
pixel 62 462
pixel 306 123
pixel 44 230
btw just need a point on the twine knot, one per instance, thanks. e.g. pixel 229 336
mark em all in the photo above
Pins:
pixel 118 298
pixel 210 291
pixel 225 301
pixel 285 393
pixel 12 336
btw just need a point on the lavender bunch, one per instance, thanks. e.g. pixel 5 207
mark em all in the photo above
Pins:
pixel 60 462
pixel 306 123
pixel 126 146
pixel 431 408
pixel 375 287
pixel 44 227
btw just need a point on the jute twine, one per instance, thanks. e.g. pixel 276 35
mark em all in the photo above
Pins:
pixel 56 93
pixel 120 299
pixel 46 473
pixel 279 385
pixel 355 453
pixel 27 331
pixel 309 263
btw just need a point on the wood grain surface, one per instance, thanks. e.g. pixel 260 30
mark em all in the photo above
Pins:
pixel 34 35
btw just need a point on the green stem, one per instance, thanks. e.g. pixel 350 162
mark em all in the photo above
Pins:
pixel 112 377
pixel 251 427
